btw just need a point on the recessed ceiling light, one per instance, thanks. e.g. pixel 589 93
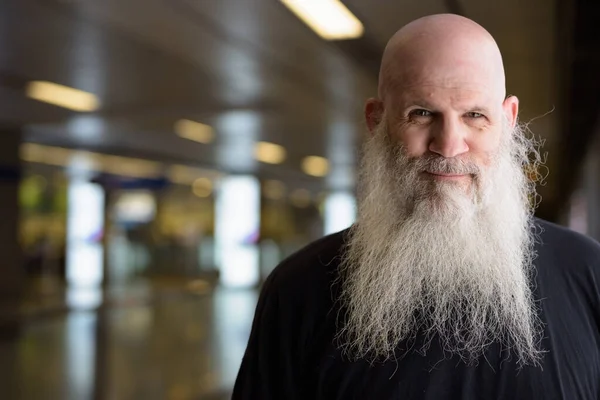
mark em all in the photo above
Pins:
pixel 315 166
pixel 269 153
pixel 202 187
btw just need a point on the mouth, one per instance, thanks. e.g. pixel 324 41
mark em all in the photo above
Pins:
pixel 442 176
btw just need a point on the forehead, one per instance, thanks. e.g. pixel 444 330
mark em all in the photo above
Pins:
pixel 444 77
pixel 441 94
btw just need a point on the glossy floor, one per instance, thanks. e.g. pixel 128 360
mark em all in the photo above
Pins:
pixel 175 345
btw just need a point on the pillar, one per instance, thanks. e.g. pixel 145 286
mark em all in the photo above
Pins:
pixel 11 266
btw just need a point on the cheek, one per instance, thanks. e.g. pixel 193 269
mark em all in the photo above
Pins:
pixel 416 144
pixel 483 149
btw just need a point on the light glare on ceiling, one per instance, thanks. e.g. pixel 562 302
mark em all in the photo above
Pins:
pixel 127 166
pixel 62 96
pixel 37 153
pixel 330 19
pixel 269 153
pixel 315 166
pixel 62 157
pixel 194 131
pixel 185 175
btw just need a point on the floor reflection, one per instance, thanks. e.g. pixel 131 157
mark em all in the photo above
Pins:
pixel 175 345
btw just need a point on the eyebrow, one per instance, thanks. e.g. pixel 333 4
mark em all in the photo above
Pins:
pixel 426 104
pixel 480 109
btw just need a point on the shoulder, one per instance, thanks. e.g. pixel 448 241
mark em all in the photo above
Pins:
pixel 308 273
pixel 566 246
pixel 313 262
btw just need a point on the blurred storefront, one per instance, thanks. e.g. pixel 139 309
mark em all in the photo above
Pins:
pixel 152 221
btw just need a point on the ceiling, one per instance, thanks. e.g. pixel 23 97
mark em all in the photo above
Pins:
pixel 248 68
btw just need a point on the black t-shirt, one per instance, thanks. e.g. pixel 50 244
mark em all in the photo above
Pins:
pixel 291 353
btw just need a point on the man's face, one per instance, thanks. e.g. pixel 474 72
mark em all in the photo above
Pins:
pixel 445 105
pixel 458 123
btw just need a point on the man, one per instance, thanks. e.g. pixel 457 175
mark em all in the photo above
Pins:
pixel 446 287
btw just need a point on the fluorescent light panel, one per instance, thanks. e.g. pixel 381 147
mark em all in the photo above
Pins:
pixel 194 131
pixel 330 19
pixel 62 96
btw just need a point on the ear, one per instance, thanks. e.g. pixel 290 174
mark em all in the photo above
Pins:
pixel 373 113
pixel 511 109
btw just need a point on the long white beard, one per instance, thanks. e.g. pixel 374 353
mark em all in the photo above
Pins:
pixel 433 259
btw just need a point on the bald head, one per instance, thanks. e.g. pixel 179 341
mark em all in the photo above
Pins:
pixel 441 86
pixel 445 49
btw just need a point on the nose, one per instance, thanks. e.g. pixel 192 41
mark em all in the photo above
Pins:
pixel 449 138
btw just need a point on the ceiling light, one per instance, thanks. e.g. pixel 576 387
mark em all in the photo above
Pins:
pixel 202 187
pixel 62 96
pixel 195 131
pixel 330 19
pixel 315 166
pixel 269 153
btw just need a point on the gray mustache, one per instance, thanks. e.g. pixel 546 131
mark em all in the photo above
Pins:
pixel 442 165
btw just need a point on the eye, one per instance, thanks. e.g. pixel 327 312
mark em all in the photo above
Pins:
pixel 420 113
pixel 474 114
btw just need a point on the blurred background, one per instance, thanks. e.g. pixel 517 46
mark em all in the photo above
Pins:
pixel 158 158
